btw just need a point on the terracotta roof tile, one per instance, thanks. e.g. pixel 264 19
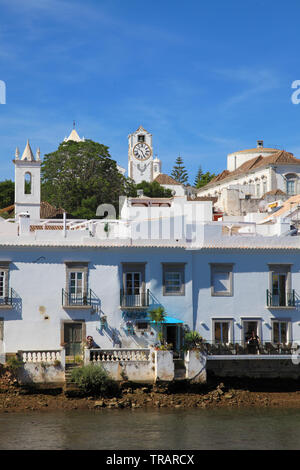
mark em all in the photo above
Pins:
pixel 279 157
pixel 275 192
pixel 165 179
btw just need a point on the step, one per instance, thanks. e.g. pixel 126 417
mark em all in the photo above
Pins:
pixel 179 374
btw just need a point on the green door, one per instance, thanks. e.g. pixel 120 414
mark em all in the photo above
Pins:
pixel 73 338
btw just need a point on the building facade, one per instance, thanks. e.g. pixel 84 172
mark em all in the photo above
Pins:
pixel 62 281
pixel 250 175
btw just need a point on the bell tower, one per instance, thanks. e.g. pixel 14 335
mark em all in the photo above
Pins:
pixel 28 182
pixel 140 156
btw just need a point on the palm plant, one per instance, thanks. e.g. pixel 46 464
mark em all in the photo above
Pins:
pixel 158 316
pixel 192 340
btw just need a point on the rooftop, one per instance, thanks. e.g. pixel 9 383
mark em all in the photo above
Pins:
pixel 162 178
pixel 280 157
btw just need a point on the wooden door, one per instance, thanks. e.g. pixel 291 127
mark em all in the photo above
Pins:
pixel 73 338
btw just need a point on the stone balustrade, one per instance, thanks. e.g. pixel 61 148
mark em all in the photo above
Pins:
pixel 41 356
pixel 117 355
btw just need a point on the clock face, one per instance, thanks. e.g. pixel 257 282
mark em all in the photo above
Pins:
pixel 142 151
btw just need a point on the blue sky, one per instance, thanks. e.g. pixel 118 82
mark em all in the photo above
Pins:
pixel 206 78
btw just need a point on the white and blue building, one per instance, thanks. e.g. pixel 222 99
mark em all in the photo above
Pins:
pixel 64 280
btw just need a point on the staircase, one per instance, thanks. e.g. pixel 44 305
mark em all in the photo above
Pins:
pixel 69 385
pixel 179 370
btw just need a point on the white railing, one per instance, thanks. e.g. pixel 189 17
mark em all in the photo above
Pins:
pixel 41 356
pixel 117 355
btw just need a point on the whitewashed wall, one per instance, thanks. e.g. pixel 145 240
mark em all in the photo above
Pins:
pixel 38 275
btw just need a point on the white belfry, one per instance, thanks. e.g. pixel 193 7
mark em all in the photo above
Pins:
pixel 28 183
pixel 140 156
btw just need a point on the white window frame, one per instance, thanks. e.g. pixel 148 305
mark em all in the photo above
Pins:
pixel 229 321
pixel 3 282
pixel 4 268
pixel 76 285
pixel 288 330
pixel 173 268
pixel 133 274
pixel 76 267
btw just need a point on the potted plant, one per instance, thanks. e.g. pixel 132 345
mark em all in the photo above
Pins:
pixel 106 228
pixel 158 316
pixel 193 340
pixel 129 327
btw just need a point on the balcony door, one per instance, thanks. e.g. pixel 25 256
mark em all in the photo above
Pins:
pixel 279 282
pixel 250 326
pixel 76 286
pixel 133 294
pixel 133 288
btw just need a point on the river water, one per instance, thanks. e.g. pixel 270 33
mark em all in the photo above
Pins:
pixel 151 429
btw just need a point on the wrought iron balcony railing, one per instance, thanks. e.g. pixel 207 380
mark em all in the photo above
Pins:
pixel 72 300
pixel 284 299
pixel 129 300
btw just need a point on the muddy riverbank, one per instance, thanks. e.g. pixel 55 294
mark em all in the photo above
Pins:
pixel 234 393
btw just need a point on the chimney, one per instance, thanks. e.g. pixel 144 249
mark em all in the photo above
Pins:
pixel 260 144
pixel 24 223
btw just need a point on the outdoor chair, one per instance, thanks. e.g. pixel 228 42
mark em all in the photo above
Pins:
pixel 286 348
pixel 271 349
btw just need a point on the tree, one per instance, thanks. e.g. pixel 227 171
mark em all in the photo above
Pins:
pixel 179 172
pixel 7 193
pixel 203 178
pixel 153 189
pixel 79 176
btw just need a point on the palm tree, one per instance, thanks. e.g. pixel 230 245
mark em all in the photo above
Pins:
pixel 158 316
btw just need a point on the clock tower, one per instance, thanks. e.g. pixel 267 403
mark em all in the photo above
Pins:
pixel 140 156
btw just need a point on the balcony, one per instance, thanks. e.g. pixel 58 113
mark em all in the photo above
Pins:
pixel 7 301
pixel 70 300
pixel 282 300
pixel 134 301
pixel 238 348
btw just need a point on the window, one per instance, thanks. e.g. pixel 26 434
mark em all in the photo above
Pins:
pixel 221 279
pixel 141 138
pixel 291 180
pixel 222 331
pixel 173 279
pixel 264 187
pixel 280 331
pixel 142 325
pixel 173 282
pixel 257 189
pixel 133 283
pixel 76 287
pixel 290 187
pixel 76 291
pixel 27 183
pixel 280 293
pixel 133 292
pixel 4 281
